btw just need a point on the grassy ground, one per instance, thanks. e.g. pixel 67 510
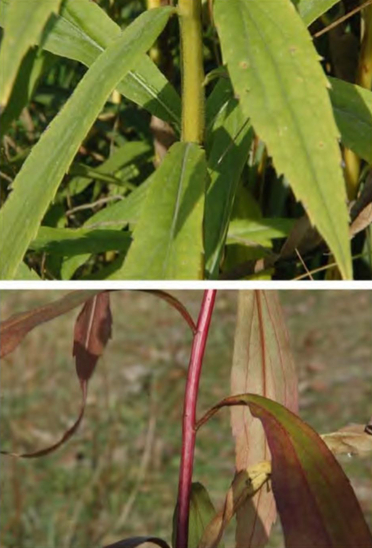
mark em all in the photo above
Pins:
pixel 118 476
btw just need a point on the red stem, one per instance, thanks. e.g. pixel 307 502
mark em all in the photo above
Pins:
pixel 189 416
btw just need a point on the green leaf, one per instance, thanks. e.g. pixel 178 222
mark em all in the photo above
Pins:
pixel 316 503
pixel 168 238
pixel 37 182
pixel 82 31
pixel 202 512
pixel 275 71
pixel 310 10
pixel 69 242
pixel 33 65
pixel 232 137
pixel 352 107
pixel 250 232
pixel 25 273
pixel 25 21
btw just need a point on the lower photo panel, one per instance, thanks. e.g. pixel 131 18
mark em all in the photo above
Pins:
pixel 186 419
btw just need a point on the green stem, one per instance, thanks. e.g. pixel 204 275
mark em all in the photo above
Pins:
pixel 189 12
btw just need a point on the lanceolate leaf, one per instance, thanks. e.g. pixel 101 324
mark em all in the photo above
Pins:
pixel 92 332
pixel 231 139
pixel 317 506
pixel 13 330
pixel 263 364
pixel 69 241
pixel 41 174
pixel 352 107
pixel 276 73
pixel 81 31
pixel 25 21
pixel 168 238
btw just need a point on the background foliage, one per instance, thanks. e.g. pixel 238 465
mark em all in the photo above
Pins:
pixel 86 231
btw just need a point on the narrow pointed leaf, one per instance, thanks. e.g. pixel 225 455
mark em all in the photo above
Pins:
pixel 92 332
pixel 317 505
pixel 74 241
pixel 37 182
pixel 168 238
pixel 25 21
pixel 176 304
pixel 81 31
pixel 352 107
pixel 231 140
pixel 13 330
pixel 276 73
pixel 262 364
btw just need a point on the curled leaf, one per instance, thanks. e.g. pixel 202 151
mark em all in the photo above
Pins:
pixel 92 332
pixel 13 330
pixel 352 439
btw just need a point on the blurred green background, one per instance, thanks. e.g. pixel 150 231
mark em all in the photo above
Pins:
pixel 118 475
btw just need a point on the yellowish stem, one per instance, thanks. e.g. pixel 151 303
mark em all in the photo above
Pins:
pixel 189 12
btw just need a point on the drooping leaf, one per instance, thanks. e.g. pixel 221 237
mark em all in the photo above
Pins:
pixel 275 71
pixel 82 30
pixel 176 304
pixel 352 107
pixel 262 364
pixel 231 139
pixel 41 174
pixel 25 21
pixel 316 503
pixel 310 10
pixel 133 542
pixel 13 330
pixel 92 332
pixel 168 238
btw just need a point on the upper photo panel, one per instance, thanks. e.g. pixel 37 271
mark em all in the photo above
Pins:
pixel 189 140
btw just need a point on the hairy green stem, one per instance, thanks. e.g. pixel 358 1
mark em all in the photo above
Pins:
pixel 189 12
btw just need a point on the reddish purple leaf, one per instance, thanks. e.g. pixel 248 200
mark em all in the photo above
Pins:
pixel 92 332
pixel 316 503
pixel 170 299
pixel 13 330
